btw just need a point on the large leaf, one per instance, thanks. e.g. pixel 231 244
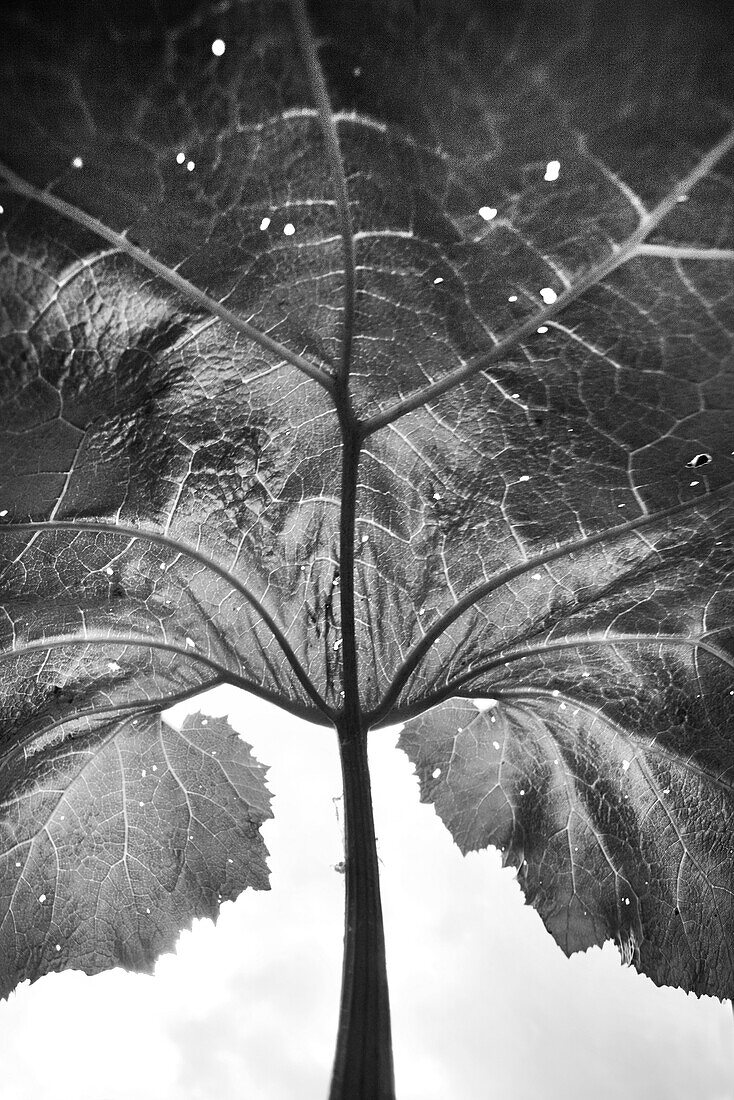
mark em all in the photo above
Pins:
pixel 384 362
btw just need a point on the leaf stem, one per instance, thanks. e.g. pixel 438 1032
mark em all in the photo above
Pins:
pixel 363 1065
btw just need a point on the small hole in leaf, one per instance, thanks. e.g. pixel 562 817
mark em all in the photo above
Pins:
pixel 3 513
pixel 289 229
pixel 543 328
pixel 437 280
pixel 512 298
pixel 699 460
pixel 496 744
pixel 41 897
pixel 77 162
pixel 484 704
pixel 524 477
pixel 58 946
pixel 264 223
pixel 548 295
pixel 2 209
pixel 190 165
pixel 436 772
pixel 180 158
pixel 552 170
pixel 487 213
pixel 682 198
pixel 625 765
pixel 218 47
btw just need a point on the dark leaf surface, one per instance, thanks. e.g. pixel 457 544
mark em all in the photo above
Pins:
pixel 530 286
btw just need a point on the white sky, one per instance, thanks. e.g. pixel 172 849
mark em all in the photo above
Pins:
pixel 484 1004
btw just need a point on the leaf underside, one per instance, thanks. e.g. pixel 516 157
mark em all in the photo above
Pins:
pixel 492 245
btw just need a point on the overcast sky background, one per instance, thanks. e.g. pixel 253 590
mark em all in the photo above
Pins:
pixel 484 1004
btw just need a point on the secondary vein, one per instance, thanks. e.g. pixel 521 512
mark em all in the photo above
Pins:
pixel 186 288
